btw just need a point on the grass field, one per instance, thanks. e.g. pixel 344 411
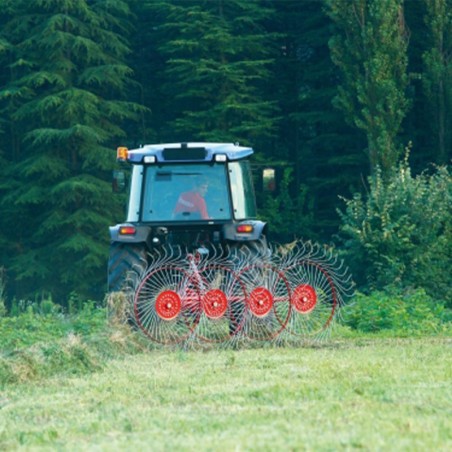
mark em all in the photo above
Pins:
pixel 371 394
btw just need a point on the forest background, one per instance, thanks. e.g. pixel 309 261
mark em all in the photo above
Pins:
pixel 350 99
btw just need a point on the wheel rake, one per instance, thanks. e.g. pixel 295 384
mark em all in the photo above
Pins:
pixel 228 295
pixel 223 301
pixel 268 301
pixel 320 286
pixel 166 301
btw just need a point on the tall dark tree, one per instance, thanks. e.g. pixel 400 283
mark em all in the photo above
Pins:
pixel 7 211
pixel 214 60
pixel 437 76
pixel 370 48
pixel 325 152
pixel 65 106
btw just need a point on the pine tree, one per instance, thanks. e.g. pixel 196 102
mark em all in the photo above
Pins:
pixel 65 104
pixel 148 67
pixel 216 57
pixel 5 143
pixel 370 48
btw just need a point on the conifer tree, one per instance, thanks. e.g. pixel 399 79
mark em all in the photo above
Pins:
pixel 5 144
pixel 370 48
pixel 65 102
pixel 216 58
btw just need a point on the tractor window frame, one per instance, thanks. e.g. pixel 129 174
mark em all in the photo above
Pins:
pixel 241 182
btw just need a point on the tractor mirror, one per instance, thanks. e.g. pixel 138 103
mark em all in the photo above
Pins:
pixel 269 180
pixel 119 181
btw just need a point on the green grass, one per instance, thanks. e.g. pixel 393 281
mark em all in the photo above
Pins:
pixel 350 393
pixel 29 327
pixel 78 382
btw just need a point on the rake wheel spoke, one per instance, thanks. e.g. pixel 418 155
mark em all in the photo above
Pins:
pixel 223 304
pixel 167 305
pixel 268 301
pixel 313 300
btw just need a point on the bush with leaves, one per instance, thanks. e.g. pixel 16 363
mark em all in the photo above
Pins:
pixel 403 314
pixel 400 234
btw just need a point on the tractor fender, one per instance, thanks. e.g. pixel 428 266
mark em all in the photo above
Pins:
pixel 230 231
pixel 142 233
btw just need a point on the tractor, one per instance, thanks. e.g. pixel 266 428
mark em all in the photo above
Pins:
pixel 193 256
pixel 156 215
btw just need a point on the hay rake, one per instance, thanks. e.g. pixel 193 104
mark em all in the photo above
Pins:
pixel 222 296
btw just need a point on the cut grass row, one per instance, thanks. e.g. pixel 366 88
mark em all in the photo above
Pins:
pixel 38 343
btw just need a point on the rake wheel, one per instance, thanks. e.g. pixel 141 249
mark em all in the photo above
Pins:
pixel 268 301
pixel 223 304
pixel 313 299
pixel 167 305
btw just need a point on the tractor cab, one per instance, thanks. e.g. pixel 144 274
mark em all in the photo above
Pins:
pixel 189 195
pixel 185 183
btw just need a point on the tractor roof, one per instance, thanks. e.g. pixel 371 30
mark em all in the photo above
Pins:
pixel 185 152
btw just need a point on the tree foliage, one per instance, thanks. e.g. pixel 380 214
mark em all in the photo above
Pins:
pixel 323 150
pixel 217 58
pixel 84 76
pixel 400 233
pixel 289 216
pixel 371 51
pixel 437 75
pixel 63 102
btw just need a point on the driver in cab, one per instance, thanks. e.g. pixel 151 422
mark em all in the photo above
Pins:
pixel 193 202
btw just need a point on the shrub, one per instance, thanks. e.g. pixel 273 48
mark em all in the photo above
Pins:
pixel 400 233
pixel 408 314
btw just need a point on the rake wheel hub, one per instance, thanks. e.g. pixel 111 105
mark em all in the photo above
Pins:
pixel 215 303
pixel 261 301
pixel 304 298
pixel 168 305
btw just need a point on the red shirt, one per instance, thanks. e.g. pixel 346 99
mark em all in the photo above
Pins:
pixel 191 201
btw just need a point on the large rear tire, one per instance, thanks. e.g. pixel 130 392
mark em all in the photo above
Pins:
pixel 126 264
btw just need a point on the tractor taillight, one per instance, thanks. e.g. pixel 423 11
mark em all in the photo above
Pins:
pixel 245 228
pixel 121 154
pixel 127 230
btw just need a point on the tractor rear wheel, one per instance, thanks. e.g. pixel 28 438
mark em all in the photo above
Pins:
pixel 126 264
